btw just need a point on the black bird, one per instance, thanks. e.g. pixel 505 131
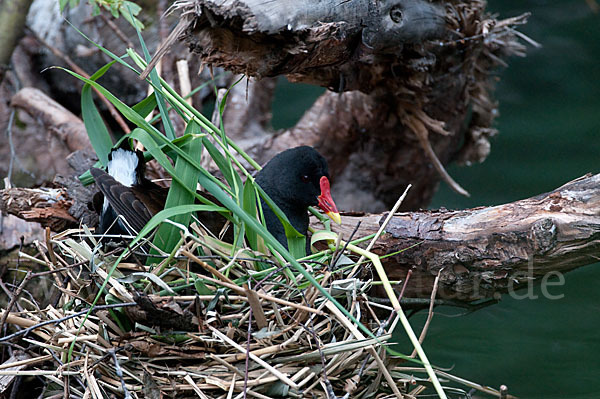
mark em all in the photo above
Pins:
pixel 125 191
pixel 294 179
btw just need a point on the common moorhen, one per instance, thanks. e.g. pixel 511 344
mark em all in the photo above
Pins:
pixel 294 179
pixel 127 192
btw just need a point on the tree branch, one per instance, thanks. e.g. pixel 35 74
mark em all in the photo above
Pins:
pixel 414 76
pixel 47 206
pixel 485 251
pixel 68 127
pixel 480 252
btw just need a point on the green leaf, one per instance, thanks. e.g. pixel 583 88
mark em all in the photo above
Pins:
pixel 133 7
pixel 62 4
pixel 136 23
pixel 130 10
pixel 94 125
pixel 114 10
pixel 201 288
pixel 162 107
pixel 249 206
pixel 157 153
pixel 167 236
pixel 146 106
pixel 171 212
pixel 215 301
pixel 296 241
pixel 224 166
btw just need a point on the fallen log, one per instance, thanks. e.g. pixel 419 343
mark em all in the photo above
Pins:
pixel 47 206
pixel 479 253
pixel 483 252
pixel 410 84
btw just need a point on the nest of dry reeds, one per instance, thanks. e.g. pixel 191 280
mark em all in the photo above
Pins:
pixel 212 326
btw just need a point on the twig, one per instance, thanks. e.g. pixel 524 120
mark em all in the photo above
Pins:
pixel 185 85
pixel 330 391
pixel 418 127
pixel 408 274
pixel 247 360
pixel 8 292
pixel 381 228
pixel 117 30
pixel 430 314
pixel 356 332
pixel 49 247
pixel 13 300
pixel 119 373
pixel 339 255
pixel 11 145
pixel 271 298
pixel 257 359
pixel 45 323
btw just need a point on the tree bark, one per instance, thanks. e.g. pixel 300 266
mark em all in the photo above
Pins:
pixel 413 78
pixel 49 207
pixel 482 252
pixel 478 252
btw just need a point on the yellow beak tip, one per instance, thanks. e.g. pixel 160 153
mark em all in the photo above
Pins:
pixel 335 217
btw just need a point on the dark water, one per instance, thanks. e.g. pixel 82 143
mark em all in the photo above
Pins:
pixel 549 134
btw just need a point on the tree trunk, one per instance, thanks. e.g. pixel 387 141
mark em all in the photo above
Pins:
pixel 409 84
pixel 478 252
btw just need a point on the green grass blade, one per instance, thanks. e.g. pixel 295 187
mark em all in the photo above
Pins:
pixel 166 237
pixel 249 206
pixel 296 241
pixel 158 154
pixel 146 106
pixel 224 166
pixel 94 125
pixel 162 107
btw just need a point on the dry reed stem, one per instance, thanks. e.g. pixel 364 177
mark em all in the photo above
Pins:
pixel 302 334
pixel 430 313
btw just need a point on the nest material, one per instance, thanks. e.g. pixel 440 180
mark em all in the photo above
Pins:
pixel 182 334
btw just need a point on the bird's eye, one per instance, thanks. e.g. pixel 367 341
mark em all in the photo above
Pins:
pixel 305 178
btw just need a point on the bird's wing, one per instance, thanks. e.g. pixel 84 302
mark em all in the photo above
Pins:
pixel 122 199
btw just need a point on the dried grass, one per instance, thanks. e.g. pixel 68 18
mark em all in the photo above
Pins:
pixel 226 331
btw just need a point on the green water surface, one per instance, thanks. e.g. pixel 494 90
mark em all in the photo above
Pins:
pixel 549 134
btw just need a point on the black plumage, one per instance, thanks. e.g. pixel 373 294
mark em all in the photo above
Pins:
pixel 126 192
pixel 294 179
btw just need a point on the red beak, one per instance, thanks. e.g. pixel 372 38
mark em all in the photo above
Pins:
pixel 326 202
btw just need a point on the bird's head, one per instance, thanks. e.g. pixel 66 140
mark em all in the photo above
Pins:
pixel 300 176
